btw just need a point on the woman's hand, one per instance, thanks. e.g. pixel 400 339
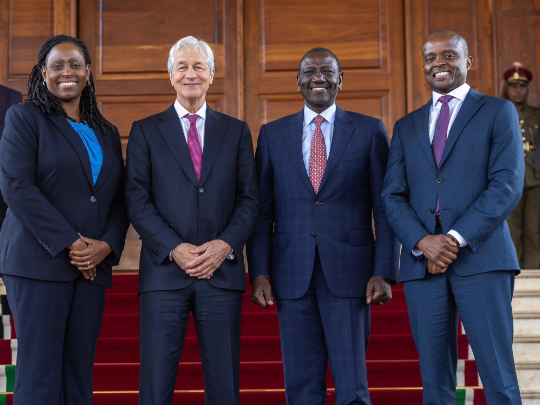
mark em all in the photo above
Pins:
pixel 80 244
pixel 88 258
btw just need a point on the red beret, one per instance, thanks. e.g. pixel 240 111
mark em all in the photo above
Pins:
pixel 517 75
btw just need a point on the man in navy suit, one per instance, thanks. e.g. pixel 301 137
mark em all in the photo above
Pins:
pixel 320 174
pixel 8 97
pixel 455 173
pixel 191 194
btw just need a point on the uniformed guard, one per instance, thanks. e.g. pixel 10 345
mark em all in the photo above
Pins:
pixel 524 222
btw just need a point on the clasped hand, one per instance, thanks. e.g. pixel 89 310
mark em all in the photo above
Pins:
pixel 201 261
pixel 86 254
pixel 439 250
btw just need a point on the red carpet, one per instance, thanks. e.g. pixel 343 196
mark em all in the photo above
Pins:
pixel 393 371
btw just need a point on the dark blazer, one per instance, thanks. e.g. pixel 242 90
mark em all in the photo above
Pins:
pixel 479 183
pixel 168 206
pixel 46 179
pixel 338 219
pixel 8 97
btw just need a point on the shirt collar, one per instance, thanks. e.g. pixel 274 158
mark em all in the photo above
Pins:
pixel 460 93
pixel 329 114
pixel 181 111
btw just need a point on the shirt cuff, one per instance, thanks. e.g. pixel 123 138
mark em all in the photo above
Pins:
pixel 231 255
pixel 455 234
pixel 417 252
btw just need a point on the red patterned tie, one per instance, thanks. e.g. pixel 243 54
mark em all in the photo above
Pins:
pixel 317 156
pixel 194 145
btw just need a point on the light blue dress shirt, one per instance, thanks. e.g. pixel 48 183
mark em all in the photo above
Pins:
pixel 92 145
pixel 327 128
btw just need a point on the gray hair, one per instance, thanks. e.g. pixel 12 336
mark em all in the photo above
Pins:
pixel 193 44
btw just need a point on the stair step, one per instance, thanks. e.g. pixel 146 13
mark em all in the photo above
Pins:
pixel 526 300
pixel 379 396
pixel 526 348
pixel 528 280
pixel 527 323
pixel 528 373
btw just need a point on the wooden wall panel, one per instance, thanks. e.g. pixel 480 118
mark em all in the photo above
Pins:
pixel 366 35
pixel 472 19
pixel 24 26
pixel 518 39
pixel 286 36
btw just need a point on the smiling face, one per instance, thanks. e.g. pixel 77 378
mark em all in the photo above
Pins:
pixel 445 62
pixel 517 93
pixel 191 77
pixel 319 80
pixel 66 73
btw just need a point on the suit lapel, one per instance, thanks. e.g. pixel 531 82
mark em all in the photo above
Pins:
pixel 293 138
pixel 65 128
pixel 421 123
pixel 471 104
pixel 214 131
pixel 172 131
pixel 343 129
pixel 108 155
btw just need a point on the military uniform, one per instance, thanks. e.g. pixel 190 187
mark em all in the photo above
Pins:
pixel 524 222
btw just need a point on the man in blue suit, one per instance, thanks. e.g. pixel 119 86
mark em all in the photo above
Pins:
pixel 320 174
pixel 455 173
pixel 191 193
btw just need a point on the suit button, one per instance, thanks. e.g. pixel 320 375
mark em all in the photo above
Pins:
pixel 201 190
pixel 313 235
pixel 317 204
pixel 438 181
pixel 431 211
pixel 93 199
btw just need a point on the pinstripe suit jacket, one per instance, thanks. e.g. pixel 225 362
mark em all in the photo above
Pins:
pixel 293 220
pixel 479 183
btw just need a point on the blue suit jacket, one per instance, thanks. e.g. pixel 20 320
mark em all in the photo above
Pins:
pixel 168 206
pixel 46 179
pixel 282 244
pixel 479 183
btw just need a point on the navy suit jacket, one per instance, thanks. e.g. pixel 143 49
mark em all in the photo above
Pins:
pixel 8 97
pixel 479 183
pixel 46 179
pixel 282 244
pixel 168 206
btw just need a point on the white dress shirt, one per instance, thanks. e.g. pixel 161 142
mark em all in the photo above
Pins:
pixel 181 111
pixel 327 128
pixel 454 105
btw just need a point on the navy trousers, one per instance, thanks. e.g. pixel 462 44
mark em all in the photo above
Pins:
pixel 483 301
pixel 163 322
pixel 321 327
pixel 57 326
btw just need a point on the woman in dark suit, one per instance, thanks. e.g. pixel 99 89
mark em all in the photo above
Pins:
pixel 61 171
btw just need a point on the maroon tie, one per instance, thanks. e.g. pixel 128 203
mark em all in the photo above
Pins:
pixel 441 133
pixel 317 156
pixel 194 145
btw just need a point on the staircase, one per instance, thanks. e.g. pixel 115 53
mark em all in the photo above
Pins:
pixel 526 309
pixel 393 371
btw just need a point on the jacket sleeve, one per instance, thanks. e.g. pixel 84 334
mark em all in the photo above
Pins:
pixel 506 174
pixel 19 154
pixel 144 216
pixel 117 222
pixel 386 245
pixel 395 195
pixel 244 215
pixel 259 245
